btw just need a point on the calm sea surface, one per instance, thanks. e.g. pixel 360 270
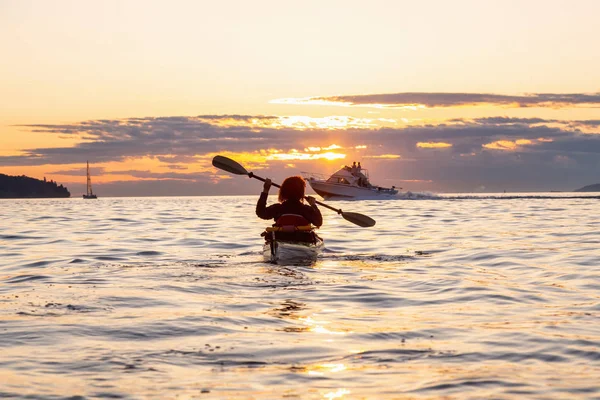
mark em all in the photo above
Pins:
pixel 453 297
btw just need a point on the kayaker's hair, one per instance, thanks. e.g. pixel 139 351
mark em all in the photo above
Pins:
pixel 292 189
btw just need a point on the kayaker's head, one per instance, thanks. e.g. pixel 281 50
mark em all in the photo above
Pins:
pixel 292 189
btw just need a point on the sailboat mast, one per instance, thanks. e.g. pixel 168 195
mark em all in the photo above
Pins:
pixel 89 180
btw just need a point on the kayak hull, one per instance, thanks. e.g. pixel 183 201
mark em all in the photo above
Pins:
pixel 286 252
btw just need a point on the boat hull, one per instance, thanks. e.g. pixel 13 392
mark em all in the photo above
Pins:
pixel 284 252
pixel 336 190
pixel 90 196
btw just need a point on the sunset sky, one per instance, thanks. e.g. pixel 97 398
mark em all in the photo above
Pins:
pixel 436 96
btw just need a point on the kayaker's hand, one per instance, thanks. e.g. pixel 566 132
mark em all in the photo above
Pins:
pixel 267 185
pixel 311 200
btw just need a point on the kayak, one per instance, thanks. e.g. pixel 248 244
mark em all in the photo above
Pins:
pixel 282 252
pixel 291 247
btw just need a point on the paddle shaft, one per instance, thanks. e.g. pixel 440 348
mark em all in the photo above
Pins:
pixel 251 175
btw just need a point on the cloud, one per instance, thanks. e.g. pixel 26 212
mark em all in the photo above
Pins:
pixel 181 141
pixel 179 167
pixel 296 155
pixel 383 157
pixel 484 151
pixel 433 145
pixel 316 149
pixel 79 172
pixel 165 188
pixel 506 144
pixel 173 139
pixel 415 100
pixel 196 177
pixel 498 120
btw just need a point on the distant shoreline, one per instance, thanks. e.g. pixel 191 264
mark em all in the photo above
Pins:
pixel 589 188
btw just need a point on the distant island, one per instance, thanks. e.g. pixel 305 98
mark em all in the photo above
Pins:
pixel 18 187
pixel 590 188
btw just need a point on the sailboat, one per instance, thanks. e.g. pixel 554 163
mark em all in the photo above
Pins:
pixel 89 194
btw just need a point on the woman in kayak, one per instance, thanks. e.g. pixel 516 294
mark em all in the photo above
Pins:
pixel 291 196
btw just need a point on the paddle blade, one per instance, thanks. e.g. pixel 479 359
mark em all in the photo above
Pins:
pixel 359 219
pixel 227 164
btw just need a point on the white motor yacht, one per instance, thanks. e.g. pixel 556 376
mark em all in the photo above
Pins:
pixel 348 182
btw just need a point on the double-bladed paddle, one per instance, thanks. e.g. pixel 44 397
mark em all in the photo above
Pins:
pixel 227 164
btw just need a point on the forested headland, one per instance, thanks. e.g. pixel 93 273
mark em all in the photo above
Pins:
pixel 17 187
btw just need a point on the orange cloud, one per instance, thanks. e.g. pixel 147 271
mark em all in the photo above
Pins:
pixel 501 145
pixel 328 123
pixel 296 155
pixel 509 145
pixel 298 122
pixel 334 146
pixel 315 149
pixel 523 142
pixel 433 145
pixel 385 156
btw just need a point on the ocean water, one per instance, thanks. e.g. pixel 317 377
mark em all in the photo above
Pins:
pixel 455 297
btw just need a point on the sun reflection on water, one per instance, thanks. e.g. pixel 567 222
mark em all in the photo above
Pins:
pixel 317 326
pixel 322 369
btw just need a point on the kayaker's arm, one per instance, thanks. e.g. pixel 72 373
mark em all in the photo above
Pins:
pixel 264 212
pixel 315 214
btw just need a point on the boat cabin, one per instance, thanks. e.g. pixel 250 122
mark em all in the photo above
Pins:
pixel 346 176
